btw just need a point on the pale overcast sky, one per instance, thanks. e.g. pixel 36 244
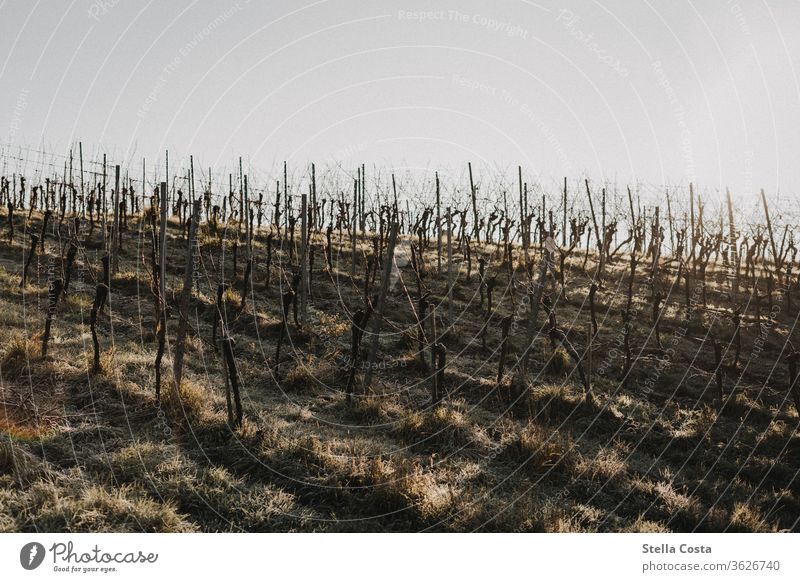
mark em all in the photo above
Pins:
pixel 662 92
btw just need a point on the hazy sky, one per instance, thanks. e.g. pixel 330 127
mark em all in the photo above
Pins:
pixel 662 92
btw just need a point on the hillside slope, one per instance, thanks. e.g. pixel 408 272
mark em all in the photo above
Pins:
pixel 96 452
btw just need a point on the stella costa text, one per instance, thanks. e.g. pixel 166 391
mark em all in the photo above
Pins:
pixel 670 549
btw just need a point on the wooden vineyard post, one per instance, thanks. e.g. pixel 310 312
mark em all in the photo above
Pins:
pixel 360 319
pixel 505 326
pixel 103 207
pixel 381 306
pixel 358 198
pixel 304 258
pixel 10 206
pixel 276 218
pixel 626 341
pixel 83 194
pixel 523 232
pixel 248 223
pixel 242 208
pixel 101 292
pixel 114 243
pixel 435 398
pixel 439 362
pixel 671 228
pixel 52 301
pixel 564 216
pixel 733 255
pixel 434 338
pixel 395 209
pixel 718 372
pixel 604 245
pixel 589 339
pixel 285 199
pixel 186 295
pixel 161 328
pixel 162 240
pixel 217 317
pixel 45 222
pixel 476 227
pixel 226 378
pixel 656 246
pixel 737 336
pixel 693 240
pixel 70 262
pixel 438 227
pixel 286 301
pixel 232 376
pixel 143 193
pixel 31 255
pixel 353 230
pixel 313 216
pixel 422 310
pixel 362 226
pixel 449 266
pixel 633 220
pixel 657 299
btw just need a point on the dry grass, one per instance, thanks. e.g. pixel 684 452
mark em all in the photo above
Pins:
pixel 442 428
pixel 311 373
pixel 538 449
pixel 18 354
pixel 186 404
pixel 83 452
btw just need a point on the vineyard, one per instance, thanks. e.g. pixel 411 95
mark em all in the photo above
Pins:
pixel 350 351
